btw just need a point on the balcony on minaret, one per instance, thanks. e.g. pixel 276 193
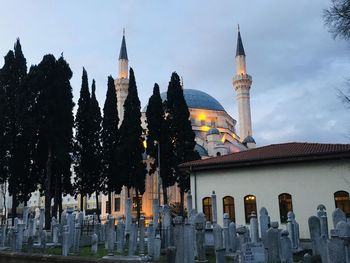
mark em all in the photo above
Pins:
pixel 242 81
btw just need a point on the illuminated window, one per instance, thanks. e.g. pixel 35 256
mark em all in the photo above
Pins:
pixel 285 204
pixel 249 206
pixel 342 201
pixel 134 203
pixel 117 204
pixel 206 202
pixel 229 207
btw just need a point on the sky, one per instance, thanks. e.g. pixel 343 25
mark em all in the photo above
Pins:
pixel 296 65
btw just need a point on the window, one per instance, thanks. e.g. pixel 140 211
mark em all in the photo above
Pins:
pixel 206 202
pixel 249 207
pixel 117 204
pixel 229 207
pixel 213 124
pixel 202 122
pixel 134 203
pixel 342 201
pixel 107 205
pixel 285 205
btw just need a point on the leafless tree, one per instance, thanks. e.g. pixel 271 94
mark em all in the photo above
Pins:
pixel 337 18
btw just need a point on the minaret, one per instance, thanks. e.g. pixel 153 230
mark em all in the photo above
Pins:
pixel 242 82
pixel 122 82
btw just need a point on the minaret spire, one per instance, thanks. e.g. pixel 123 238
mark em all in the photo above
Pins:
pixel 122 82
pixel 242 83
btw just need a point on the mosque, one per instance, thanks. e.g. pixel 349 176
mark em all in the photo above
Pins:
pixel 214 128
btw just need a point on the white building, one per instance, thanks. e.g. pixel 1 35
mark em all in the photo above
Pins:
pixel 281 177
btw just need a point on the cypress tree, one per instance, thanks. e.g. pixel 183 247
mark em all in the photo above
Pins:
pixel 95 145
pixel 55 116
pixel 181 131
pixel 110 141
pixel 81 145
pixel 158 130
pixel 133 168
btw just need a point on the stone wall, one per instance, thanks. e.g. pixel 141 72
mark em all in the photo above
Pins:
pixel 12 257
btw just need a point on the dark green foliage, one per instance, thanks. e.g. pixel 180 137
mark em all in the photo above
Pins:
pixel 110 138
pixel 158 130
pixel 131 140
pixel 181 131
pixel 55 122
pixel 82 149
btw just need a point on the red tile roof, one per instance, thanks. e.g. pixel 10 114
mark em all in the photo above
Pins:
pixel 274 153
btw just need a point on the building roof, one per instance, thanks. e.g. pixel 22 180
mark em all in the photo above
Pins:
pixel 123 54
pixel 240 48
pixel 197 99
pixel 273 154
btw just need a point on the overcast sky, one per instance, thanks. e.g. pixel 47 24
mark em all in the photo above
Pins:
pixel 297 67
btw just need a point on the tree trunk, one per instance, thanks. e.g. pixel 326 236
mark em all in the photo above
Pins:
pixel 48 187
pixel 182 199
pixel 81 202
pixel 109 208
pixel 138 208
pixel 165 195
pixel 60 209
pixel 98 212
pixel 14 209
pixel 56 197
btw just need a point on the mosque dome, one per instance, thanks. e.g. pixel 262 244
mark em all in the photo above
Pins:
pixel 197 99
pixel 201 150
pixel 248 139
pixel 213 131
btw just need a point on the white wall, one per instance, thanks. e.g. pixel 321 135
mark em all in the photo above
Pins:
pixel 310 184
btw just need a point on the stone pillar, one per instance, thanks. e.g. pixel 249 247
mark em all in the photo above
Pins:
pixel 155 211
pixel 189 243
pixel 150 238
pixel 94 244
pixel 65 241
pixel 110 237
pixel 227 238
pixel 200 236
pixel 179 239
pixel 128 217
pixel 189 202
pixel 233 237
pixel 264 219
pixel 274 245
pixel 142 235
pixel 322 215
pixel 286 247
pixel 120 236
pixel 77 234
pixel 315 234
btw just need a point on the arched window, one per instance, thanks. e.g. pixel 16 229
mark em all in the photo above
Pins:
pixel 229 207
pixel 206 201
pixel 249 207
pixel 342 201
pixel 285 205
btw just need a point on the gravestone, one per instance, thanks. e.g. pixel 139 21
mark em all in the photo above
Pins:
pixel 150 239
pixel 41 219
pixel 189 243
pixel 64 218
pixel 179 239
pixel 252 253
pixel 30 226
pixel 54 233
pixel 155 210
pixel 273 243
pixel 156 248
pixel 142 235
pixel 264 219
pixel 30 244
pixel 110 228
pixel 336 249
pixel 77 234
pixel 293 230
pixel 25 216
pixel 166 225
pixel 19 240
pixel 189 202
pixel 43 237
pixel 132 239
pixel 242 232
pixel 3 235
pixel 171 254
pixel 233 237
pixel 220 255
pixel 218 240
pixel 315 235
pixel 337 216
pixel 214 208
pixel 254 227
pixel 227 239
pixel 322 215
pixel 286 247
pixel 120 236
pixel 128 217
pixel 200 236
pixel 65 240
pixel 94 243
pixel 71 227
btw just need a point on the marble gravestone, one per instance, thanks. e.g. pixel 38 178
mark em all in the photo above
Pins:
pixel 252 253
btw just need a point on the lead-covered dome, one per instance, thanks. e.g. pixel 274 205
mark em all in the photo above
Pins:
pixel 197 99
